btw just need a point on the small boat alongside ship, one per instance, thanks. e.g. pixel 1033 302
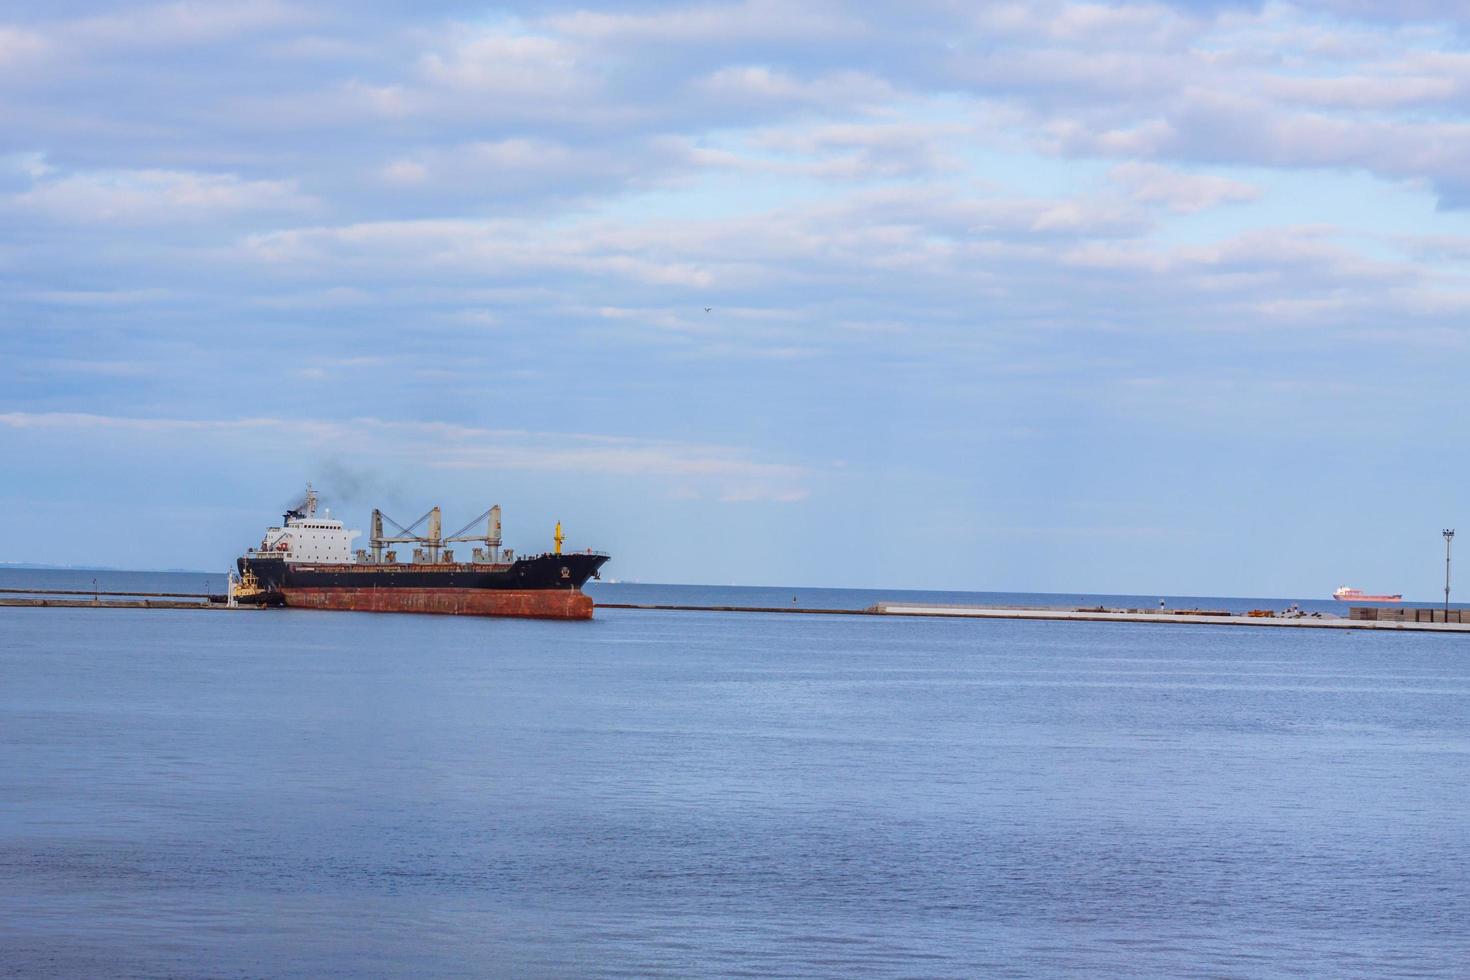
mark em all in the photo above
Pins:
pixel 1346 593
pixel 308 562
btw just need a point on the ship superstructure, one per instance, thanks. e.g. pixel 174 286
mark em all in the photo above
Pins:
pixel 309 561
pixel 303 536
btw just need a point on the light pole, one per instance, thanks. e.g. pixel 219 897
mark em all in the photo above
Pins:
pixel 1449 535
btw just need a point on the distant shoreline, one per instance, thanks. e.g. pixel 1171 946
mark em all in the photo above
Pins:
pixel 35 566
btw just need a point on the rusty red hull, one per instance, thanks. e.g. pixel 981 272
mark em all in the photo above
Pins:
pixel 528 604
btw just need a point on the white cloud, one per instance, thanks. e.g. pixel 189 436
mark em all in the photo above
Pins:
pixel 729 473
pixel 499 64
pixel 477 247
pixel 850 151
pixel 317 48
pixel 787 283
pixel 514 168
pixel 32 165
pixel 154 196
pixel 406 172
pixel 100 297
pixel 106 368
pixel 1183 193
pixel 1364 91
pixel 1133 24
pixel 19 47
pixel 183 23
pixel 754 20
pixel 754 84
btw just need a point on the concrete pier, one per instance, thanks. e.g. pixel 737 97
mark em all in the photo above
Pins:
pixel 741 609
pixel 1194 618
pixel 97 593
pixel 1175 618
pixel 74 603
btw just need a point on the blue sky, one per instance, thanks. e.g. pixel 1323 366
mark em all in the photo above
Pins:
pixel 1048 296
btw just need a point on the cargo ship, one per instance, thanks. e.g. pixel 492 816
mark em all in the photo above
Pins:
pixel 309 562
pixel 1346 594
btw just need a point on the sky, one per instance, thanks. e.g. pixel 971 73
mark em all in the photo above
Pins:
pixel 1052 296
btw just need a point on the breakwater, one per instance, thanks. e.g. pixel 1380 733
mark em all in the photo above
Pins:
pixel 1403 619
pixel 93 599
pixel 1176 617
pixel 67 602
pixel 103 592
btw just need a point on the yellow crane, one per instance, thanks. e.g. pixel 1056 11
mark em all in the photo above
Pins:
pixel 558 538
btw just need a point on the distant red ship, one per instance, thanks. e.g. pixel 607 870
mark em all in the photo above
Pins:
pixel 1348 595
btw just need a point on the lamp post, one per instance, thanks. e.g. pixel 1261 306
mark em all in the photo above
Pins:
pixel 1449 535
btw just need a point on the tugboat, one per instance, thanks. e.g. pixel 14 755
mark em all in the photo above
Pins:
pixel 309 562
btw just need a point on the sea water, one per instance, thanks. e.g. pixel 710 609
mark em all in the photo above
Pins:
pixel 292 793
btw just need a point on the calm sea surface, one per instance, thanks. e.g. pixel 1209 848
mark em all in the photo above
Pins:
pixel 268 793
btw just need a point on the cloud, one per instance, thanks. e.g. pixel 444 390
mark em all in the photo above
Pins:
pixel 405 172
pixel 865 229
pixel 725 472
pixel 1174 84
pixel 501 64
pixel 872 151
pixel 153 196
pixel 1270 86
pixel 1387 91
pixel 19 47
pixel 1134 24
pixel 471 247
pixel 931 262
pixel 518 170
pixel 115 368
pixel 760 84
pixel 31 166
pixel 181 24
pixel 723 24
pixel 1371 10
pixel 1182 193
pixel 99 297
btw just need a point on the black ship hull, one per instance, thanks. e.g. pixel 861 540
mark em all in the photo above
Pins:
pixel 569 571
pixel 543 586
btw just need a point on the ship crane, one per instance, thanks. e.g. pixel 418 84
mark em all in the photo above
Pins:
pixel 432 540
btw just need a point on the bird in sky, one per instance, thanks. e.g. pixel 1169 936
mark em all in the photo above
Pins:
pixel 707 309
